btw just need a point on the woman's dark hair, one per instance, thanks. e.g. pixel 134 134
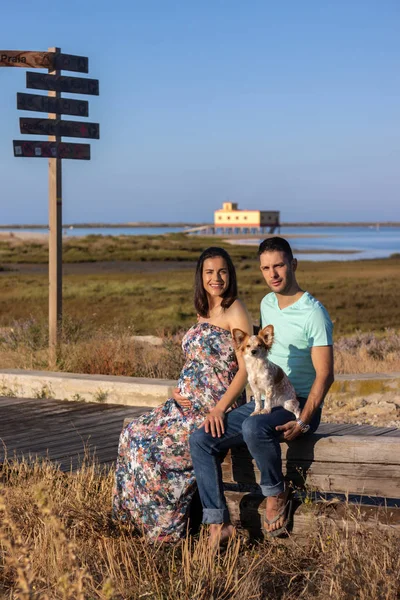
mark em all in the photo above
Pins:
pixel 200 295
pixel 276 243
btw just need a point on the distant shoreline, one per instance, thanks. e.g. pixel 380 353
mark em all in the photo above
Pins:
pixel 146 224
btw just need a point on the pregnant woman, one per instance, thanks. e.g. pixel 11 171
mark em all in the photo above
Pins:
pixel 154 481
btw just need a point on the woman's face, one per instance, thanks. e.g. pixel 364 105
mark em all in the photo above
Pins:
pixel 215 276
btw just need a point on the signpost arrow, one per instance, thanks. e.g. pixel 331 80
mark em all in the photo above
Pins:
pixel 29 149
pixel 44 60
pixel 62 83
pixel 26 58
pixel 70 62
pixel 48 104
pixel 59 128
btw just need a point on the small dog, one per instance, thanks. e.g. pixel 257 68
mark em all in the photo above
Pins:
pixel 264 376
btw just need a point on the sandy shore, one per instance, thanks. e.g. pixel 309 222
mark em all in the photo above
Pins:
pixel 31 236
pixel 23 236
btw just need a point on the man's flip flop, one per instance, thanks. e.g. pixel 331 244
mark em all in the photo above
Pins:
pixel 285 511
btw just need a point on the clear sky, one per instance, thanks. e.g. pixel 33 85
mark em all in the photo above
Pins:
pixel 285 105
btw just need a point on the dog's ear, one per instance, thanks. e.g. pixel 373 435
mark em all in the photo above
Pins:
pixel 238 336
pixel 267 335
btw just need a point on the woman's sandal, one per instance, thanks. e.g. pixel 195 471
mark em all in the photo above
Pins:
pixel 285 511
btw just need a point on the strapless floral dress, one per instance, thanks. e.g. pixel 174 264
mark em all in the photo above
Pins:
pixel 154 480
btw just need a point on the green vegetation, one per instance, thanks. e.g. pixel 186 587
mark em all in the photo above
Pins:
pixel 360 295
pixel 95 248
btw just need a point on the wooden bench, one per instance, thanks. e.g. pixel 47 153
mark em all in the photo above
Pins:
pixel 339 461
pixel 355 463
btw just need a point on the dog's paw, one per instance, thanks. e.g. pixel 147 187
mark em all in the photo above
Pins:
pixel 265 411
pixel 256 412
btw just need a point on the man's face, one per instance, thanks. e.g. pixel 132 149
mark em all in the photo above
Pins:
pixel 278 271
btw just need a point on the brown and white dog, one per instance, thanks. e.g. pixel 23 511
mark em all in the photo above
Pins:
pixel 264 376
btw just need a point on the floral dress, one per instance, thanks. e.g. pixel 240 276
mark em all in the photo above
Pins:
pixel 154 481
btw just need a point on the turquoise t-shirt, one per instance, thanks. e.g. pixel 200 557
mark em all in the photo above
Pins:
pixel 297 328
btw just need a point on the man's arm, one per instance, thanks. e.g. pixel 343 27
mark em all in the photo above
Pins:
pixel 322 359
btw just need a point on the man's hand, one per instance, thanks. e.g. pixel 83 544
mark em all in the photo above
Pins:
pixel 214 423
pixel 290 430
pixel 181 400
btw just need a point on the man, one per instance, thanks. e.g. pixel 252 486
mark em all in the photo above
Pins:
pixel 303 349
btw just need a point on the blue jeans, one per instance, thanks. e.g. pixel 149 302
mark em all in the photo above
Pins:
pixel 262 440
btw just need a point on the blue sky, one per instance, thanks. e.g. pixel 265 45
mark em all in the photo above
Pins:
pixel 290 106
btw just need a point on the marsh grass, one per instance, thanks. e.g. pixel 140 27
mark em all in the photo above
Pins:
pixel 57 541
pixel 359 295
pixel 115 351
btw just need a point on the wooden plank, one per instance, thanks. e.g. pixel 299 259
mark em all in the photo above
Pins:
pixel 62 83
pixel 44 60
pixel 248 510
pixel 362 479
pixel 37 126
pixel 50 423
pixel 48 104
pixel 71 62
pixel 395 433
pixel 329 428
pixel 64 431
pixel 350 449
pixel 32 149
pixel 26 58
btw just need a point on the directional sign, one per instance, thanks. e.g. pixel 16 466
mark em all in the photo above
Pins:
pixel 48 104
pixel 44 60
pixel 61 128
pixel 24 148
pixel 70 62
pixel 63 83
pixel 22 58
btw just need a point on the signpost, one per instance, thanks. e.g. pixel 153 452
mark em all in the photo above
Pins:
pixel 54 149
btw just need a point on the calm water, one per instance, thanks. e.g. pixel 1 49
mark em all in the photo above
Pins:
pixel 368 242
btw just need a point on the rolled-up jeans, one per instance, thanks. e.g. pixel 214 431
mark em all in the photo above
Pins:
pixel 262 439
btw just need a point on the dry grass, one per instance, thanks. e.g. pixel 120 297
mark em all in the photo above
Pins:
pixel 57 541
pixel 114 351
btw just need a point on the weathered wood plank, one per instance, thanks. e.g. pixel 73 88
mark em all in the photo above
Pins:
pixel 62 83
pixel 62 128
pixel 53 149
pixel 248 510
pixel 49 104
pixel 343 478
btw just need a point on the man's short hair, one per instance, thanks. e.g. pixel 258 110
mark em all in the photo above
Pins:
pixel 274 244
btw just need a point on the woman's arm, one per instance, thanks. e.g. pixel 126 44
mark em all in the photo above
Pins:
pixel 237 318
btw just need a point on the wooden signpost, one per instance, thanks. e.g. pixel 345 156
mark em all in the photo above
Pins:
pixel 54 149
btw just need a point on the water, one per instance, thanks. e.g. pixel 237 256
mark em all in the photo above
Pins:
pixel 360 242
pixel 367 242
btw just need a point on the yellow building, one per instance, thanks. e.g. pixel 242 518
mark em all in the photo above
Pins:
pixel 229 218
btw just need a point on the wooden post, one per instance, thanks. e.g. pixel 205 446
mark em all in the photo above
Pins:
pixel 55 241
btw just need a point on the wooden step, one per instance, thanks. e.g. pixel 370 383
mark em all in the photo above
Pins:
pixel 247 511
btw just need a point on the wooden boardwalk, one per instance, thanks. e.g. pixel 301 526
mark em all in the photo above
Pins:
pixel 62 430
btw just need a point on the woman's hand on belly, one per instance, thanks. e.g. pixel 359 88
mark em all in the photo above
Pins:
pixel 181 400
